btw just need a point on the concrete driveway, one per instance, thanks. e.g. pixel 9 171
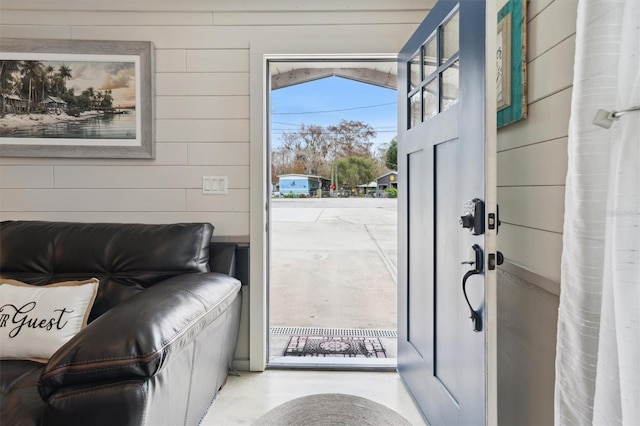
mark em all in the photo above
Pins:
pixel 333 263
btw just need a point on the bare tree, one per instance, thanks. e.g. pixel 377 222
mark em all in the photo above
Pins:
pixel 309 145
pixel 315 150
pixel 352 139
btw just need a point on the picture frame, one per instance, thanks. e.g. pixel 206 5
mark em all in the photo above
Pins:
pixel 77 98
pixel 511 62
pixel 503 63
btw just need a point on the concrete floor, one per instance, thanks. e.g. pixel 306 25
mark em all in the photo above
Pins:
pixel 250 395
pixel 333 265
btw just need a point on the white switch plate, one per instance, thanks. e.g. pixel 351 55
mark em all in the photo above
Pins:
pixel 214 185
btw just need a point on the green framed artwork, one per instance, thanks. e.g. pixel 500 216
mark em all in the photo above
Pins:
pixel 511 62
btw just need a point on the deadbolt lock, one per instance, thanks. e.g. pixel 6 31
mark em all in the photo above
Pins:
pixel 473 216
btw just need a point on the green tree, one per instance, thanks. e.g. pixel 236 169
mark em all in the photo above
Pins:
pixel 354 171
pixel 391 158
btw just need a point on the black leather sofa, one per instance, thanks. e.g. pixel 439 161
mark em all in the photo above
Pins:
pixel 162 331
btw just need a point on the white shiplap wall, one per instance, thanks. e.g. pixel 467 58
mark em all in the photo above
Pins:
pixel 202 102
pixel 204 79
pixel 532 167
pixel 532 154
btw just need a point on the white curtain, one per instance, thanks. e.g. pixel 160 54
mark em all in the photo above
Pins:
pixel 598 349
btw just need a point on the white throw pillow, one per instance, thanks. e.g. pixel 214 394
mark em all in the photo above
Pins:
pixel 35 321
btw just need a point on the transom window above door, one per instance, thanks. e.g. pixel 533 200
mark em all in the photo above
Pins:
pixel 433 73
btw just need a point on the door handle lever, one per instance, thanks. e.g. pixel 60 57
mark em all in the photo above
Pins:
pixel 475 316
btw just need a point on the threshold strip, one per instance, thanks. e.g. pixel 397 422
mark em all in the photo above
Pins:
pixel 347 332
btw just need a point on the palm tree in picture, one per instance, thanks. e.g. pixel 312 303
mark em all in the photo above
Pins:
pixel 44 80
pixel 65 73
pixel 50 77
pixel 31 72
pixel 7 69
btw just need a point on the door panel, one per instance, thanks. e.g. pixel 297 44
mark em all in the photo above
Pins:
pixel 418 336
pixel 441 157
pixel 446 289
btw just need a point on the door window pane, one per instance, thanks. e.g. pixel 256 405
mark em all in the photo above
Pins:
pixel 430 99
pixel 414 110
pixel 430 57
pixel 450 86
pixel 414 72
pixel 449 44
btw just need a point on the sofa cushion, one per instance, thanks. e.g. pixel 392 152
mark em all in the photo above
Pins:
pixel 35 321
pixel 126 258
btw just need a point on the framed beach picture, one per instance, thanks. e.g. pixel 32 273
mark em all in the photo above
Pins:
pixel 76 98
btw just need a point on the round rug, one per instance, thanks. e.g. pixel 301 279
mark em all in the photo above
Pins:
pixel 331 409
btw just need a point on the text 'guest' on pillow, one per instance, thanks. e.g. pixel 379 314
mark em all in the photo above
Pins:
pixel 35 321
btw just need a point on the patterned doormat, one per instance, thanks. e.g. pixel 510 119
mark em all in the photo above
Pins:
pixel 338 346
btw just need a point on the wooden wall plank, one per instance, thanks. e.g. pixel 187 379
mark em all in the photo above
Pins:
pixel 552 71
pixel 198 107
pixel 539 207
pixel 157 177
pixel 335 17
pixel 115 19
pixel 237 200
pixel 92 200
pixel 171 60
pixel 207 130
pixel 28 31
pixel 362 38
pixel 229 6
pixel 166 154
pixel 202 84
pixel 542 163
pixel 551 26
pixel 174 37
pixel 548 119
pixel 535 7
pixel 226 223
pixel 222 60
pixel 537 251
pixel 222 154
pixel 26 176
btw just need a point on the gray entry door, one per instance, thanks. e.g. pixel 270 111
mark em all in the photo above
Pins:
pixel 442 218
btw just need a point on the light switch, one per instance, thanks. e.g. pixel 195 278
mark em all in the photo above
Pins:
pixel 214 185
pixel 222 185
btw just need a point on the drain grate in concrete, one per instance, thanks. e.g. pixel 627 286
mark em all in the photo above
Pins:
pixel 349 332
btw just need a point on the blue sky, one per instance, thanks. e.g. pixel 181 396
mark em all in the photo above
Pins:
pixel 306 103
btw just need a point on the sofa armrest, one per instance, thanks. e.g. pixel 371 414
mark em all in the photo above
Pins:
pixel 222 258
pixel 140 336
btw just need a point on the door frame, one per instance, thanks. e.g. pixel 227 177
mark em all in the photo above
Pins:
pixel 352 62
pixel 260 193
